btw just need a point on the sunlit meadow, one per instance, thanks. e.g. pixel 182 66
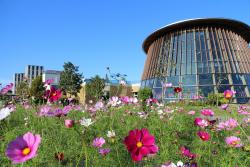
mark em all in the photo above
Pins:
pixel 117 132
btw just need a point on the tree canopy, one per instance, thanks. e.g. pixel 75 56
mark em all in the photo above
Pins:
pixel 70 79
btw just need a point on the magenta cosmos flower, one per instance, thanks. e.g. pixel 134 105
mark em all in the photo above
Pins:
pixel 98 142
pixel 23 148
pixel 140 143
pixel 187 153
pixel 203 135
pixel 6 88
pixel 53 94
pixel 207 112
pixel 228 94
pixel 233 141
pixel 201 122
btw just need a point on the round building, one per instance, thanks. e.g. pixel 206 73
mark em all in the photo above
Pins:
pixel 201 56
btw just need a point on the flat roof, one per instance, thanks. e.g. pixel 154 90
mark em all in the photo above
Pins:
pixel 235 25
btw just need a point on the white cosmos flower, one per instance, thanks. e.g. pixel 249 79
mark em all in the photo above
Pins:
pixel 111 134
pixel 160 112
pixel 86 122
pixel 4 113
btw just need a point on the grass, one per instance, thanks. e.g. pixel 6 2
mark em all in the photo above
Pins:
pixel 171 132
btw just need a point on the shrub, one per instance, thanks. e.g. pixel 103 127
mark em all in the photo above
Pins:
pixel 143 95
pixel 216 99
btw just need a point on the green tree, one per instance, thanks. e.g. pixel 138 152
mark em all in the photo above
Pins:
pixel 37 88
pixel 70 79
pixel 143 95
pixel 94 88
pixel 22 89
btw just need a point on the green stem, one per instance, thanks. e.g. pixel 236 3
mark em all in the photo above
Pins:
pixel 118 156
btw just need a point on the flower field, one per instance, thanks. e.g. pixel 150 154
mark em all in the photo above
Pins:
pixel 119 133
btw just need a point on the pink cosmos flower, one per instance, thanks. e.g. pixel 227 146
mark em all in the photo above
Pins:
pixel 191 112
pixel 104 151
pixel 23 148
pixel 140 143
pixel 228 94
pixel 227 125
pixel 167 85
pixel 207 112
pixel 243 110
pixel 233 141
pixel 98 142
pixel 133 100
pixel 6 88
pixel 69 123
pixel 99 105
pixel 201 122
pixel 203 135
pixel 186 152
pixel 224 106
pixel 125 99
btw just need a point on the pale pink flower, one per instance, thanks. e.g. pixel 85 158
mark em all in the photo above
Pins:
pixel 191 112
pixel 69 123
pixel 233 141
pixel 98 142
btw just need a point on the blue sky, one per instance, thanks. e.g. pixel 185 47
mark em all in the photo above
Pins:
pixel 93 34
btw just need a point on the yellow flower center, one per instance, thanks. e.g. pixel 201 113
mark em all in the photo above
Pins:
pixel 228 95
pixel 234 143
pixel 26 151
pixel 139 144
pixel 54 94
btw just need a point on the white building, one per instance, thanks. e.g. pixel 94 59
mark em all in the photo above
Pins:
pixel 17 78
pixel 52 74
pixel 33 71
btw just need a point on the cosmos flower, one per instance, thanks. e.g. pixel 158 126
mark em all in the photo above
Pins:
pixel 99 105
pixel 224 106
pixel 233 141
pixel 104 151
pixel 114 101
pixel 53 94
pixel 201 122
pixel 23 148
pixel 69 123
pixel 125 99
pixel 167 85
pixel 86 122
pixel 186 153
pixel 98 142
pixel 4 113
pixel 48 83
pixel 227 125
pixel 177 89
pixel 228 94
pixel 191 112
pixel 111 134
pixel 207 112
pixel 140 143
pixel 203 135
pixel 171 164
pixel 6 88
pixel 243 110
